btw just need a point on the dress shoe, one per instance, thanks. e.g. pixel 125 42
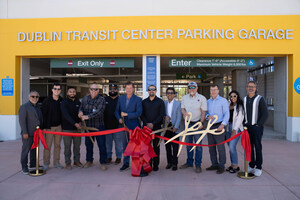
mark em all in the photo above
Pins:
pixel 88 164
pixel 155 168
pixel 118 161
pixel 108 160
pixel 184 166
pixel 198 170
pixel 124 167
pixel 68 167
pixel 220 170
pixel 103 167
pixel 78 164
pixel 168 166
pixel 174 168
pixel 211 168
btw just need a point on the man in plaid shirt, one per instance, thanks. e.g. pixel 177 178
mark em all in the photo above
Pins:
pixel 92 111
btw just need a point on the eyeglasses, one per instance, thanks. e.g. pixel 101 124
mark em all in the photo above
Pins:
pixel 251 86
pixel 233 96
pixel 94 89
pixel 170 93
pixel 151 89
pixel 56 89
pixel 192 87
pixel 34 96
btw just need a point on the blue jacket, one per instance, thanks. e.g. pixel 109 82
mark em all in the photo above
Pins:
pixel 134 110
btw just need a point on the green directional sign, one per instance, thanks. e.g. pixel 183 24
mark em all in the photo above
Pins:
pixel 91 63
pixel 190 76
pixel 212 62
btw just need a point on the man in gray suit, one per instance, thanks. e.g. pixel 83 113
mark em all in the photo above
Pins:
pixel 173 115
pixel 30 116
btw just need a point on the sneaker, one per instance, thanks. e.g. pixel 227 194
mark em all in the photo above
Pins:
pixel 251 170
pixel 118 161
pixel 198 170
pixel 124 167
pixel 34 168
pixel 78 164
pixel 108 160
pixel 88 164
pixel 211 168
pixel 68 166
pixel 184 166
pixel 59 166
pixel 25 171
pixel 46 167
pixel 103 167
pixel 229 168
pixel 257 172
pixel 234 170
pixel 220 170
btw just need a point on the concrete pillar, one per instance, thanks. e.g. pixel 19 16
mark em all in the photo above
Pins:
pixel 151 73
pixel 280 94
pixel 239 81
pixel 219 81
pixel 25 79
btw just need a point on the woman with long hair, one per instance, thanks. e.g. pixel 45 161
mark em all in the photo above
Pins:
pixel 235 126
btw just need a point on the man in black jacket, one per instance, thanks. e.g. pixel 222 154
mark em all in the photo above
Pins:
pixel 52 122
pixel 30 116
pixel 71 123
pixel 256 114
pixel 152 117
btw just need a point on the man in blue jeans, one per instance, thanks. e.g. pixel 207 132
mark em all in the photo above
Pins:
pixel 129 108
pixel 111 122
pixel 196 104
pixel 92 111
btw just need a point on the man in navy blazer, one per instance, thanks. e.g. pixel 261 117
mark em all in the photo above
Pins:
pixel 129 107
pixel 174 116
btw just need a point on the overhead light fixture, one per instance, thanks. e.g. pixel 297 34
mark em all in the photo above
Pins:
pixel 79 74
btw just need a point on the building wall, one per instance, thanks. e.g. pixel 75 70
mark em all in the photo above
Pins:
pixel 11 9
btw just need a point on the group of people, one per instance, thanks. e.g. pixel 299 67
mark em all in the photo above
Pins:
pixel 114 111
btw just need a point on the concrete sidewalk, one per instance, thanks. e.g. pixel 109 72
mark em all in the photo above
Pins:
pixel 280 178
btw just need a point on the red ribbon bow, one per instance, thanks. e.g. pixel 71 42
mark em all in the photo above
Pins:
pixel 140 150
pixel 245 141
pixel 38 134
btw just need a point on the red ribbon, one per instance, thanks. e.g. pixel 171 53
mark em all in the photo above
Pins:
pixel 245 141
pixel 140 150
pixel 38 134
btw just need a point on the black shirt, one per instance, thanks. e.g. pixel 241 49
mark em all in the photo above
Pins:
pixel 110 121
pixel 153 112
pixel 51 112
pixel 69 110
pixel 231 115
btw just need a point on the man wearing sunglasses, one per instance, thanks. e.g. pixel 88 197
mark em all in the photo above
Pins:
pixel 30 116
pixel 196 104
pixel 152 117
pixel 52 122
pixel 92 111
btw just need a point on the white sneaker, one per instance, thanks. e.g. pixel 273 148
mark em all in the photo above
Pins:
pixel 251 170
pixel 257 172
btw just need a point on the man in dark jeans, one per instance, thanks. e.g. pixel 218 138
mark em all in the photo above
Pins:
pixel 92 110
pixel 152 117
pixel 30 116
pixel 71 124
pixel 256 114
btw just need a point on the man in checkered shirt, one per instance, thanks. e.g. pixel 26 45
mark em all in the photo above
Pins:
pixel 92 111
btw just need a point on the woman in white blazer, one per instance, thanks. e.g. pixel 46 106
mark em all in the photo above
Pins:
pixel 235 126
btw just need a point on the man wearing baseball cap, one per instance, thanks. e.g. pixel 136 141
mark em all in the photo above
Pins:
pixel 194 103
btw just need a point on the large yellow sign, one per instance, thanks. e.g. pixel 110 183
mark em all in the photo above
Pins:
pixel 234 36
